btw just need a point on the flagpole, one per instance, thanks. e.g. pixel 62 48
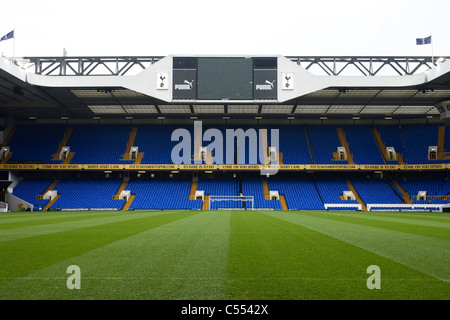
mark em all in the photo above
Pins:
pixel 432 50
pixel 14 45
pixel 7 36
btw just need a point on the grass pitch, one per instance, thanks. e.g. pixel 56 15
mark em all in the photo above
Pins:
pixel 224 255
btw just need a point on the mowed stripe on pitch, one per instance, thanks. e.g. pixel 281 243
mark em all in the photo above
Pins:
pixel 28 254
pixel 427 254
pixel 54 224
pixel 224 255
pixel 427 226
pixel 14 219
pixel 281 257
pixel 183 259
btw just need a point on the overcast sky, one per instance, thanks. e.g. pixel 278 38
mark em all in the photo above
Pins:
pixel 285 27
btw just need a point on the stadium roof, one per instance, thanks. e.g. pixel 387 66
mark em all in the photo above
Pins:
pixel 119 87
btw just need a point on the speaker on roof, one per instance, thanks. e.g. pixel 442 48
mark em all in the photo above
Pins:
pixel 444 109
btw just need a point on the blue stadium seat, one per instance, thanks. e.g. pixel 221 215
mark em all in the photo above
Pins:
pixel 94 144
pixel 362 145
pixel 221 187
pixel 330 190
pixel 376 191
pixel 416 140
pixel 253 187
pixel 28 189
pixel 88 193
pixel 160 194
pixel 35 144
pixel 299 194
pixel 324 140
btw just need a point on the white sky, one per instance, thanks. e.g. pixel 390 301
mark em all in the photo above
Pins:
pixel 286 27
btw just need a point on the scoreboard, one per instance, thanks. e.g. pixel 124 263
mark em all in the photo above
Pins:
pixel 224 78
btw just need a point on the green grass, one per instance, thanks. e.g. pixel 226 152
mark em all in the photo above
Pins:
pixel 224 255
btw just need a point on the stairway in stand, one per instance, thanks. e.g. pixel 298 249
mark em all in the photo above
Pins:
pixel 406 197
pixel 194 185
pixel 266 190
pixel 441 143
pixel 344 143
pixel 63 143
pixel 358 198
pixel 205 205
pixel 122 187
pixel 130 143
pixel 127 204
pixel 50 203
pixel 283 201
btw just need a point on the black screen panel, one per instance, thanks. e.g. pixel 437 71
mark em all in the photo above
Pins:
pixel 225 79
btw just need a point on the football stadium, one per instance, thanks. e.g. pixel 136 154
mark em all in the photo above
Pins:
pixel 225 178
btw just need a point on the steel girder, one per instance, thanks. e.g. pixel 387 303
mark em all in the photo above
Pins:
pixel 330 66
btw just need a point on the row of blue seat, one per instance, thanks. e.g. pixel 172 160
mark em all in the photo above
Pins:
pixel 162 194
pixel 308 194
pixel 106 143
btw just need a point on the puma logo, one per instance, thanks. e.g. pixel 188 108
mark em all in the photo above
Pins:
pixel 270 83
pixel 189 83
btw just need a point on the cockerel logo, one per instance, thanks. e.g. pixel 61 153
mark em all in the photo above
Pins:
pixel 162 84
pixel 287 84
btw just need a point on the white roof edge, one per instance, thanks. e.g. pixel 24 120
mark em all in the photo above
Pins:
pixel 306 82
pixel 13 69
pixel 145 81
pixel 439 70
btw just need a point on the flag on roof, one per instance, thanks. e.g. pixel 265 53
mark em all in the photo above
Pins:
pixel 420 41
pixel 7 36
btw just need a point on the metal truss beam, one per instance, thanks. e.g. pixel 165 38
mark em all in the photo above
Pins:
pixel 367 66
pixel 331 66
pixel 87 66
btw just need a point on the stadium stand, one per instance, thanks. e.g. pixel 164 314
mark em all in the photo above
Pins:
pixel 221 187
pixel 299 194
pixel 87 194
pixel 391 136
pixel 340 147
pixel 443 194
pixel 331 191
pixel 298 144
pixel 324 142
pixel 294 144
pixel 362 145
pixel 29 190
pixel 161 194
pixel 35 144
pixel 155 143
pixel 446 142
pixel 106 144
pixel 98 145
pixel 416 140
pixel 376 191
pixel 435 189
pixel 253 187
